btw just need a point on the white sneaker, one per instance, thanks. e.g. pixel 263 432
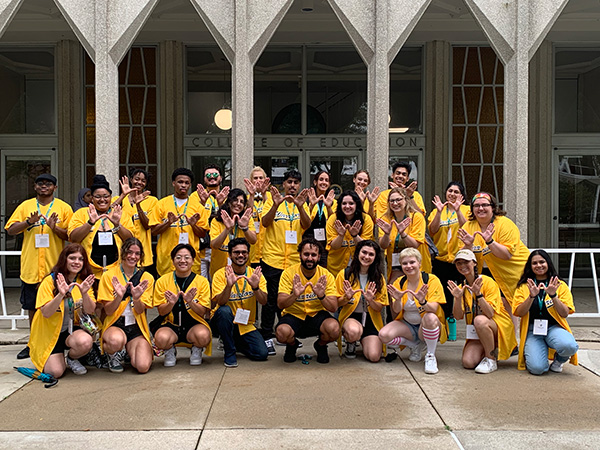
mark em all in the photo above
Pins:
pixel 170 357
pixel 77 367
pixel 270 347
pixel 556 366
pixel 350 350
pixel 430 364
pixel 196 356
pixel 416 353
pixel 486 365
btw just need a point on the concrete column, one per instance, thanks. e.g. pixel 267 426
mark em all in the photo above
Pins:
pixel 70 119
pixel 438 92
pixel 242 29
pixel 172 124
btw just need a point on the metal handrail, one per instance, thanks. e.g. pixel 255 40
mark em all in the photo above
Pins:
pixel 5 316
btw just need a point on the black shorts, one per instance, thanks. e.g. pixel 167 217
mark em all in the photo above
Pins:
pixel 131 331
pixel 311 326
pixel 180 331
pixel 28 296
pixel 61 344
pixel 369 328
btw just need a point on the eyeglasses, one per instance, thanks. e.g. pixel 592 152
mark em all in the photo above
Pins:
pixel 44 183
pixel 100 197
pixel 183 258
pixel 481 205
pixel 240 252
pixel 396 200
pixel 212 175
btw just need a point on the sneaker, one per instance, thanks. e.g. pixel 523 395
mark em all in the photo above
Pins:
pixel 350 352
pixel 23 354
pixel 416 353
pixel 430 364
pixel 76 366
pixel 196 356
pixel 556 366
pixel 126 358
pixel 299 344
pixel 220 345
pixel 290 353
pixel 170 357
pixel 270 347
pixel 281 344
pixel 322 355
pixel 114 363
pixel 486 365
pixel 393 346
pixel 231 363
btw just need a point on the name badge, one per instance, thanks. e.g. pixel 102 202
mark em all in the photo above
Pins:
pixel 291 237
pixel 242 316
pixel 184 238
pixel 395 259
pixel 228 261
pixel 105 238
pixel 129 317
pixel 320 234
pixel 257 227
pixel 449 237
pixel 472 333
pixel 70 326
pixel 42 240
pixel 540 327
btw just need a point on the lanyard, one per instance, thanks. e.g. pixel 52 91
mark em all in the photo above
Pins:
pixel 397 240
pixel 177 209
pixel 290 216
pixel 449 217
pixel 125 276
pixel 234 234
pixel 540 298
pixel 243 289
pixel 42 220
pixel 362 295
pixel 212 202
pixel 320 205
pixel 473 309
pixel 182 287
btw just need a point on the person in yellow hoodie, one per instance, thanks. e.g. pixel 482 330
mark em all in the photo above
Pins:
pixel 543 301
pixel 362 294
pixel 419 321
pixel 183 300
pixel 490 332
pixel 55 326
pixel 126 291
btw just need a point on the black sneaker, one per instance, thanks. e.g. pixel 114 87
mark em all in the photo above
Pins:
pixel 350 350
pixel 322 355
pixel 290 353
pixel 23 354
pixel 115 363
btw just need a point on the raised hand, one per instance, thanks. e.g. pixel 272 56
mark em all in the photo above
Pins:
pixel 189 295
pixel 300 199
pixel 34 217
pixel 118 288
pixel 355 228
pixel 370 292
pixel 193 219
pixel 52 220
pixel 320 287
pixel 402 225
pixel 534 289
pixel 476 286
pixel 94 216
pixel 250 187
pixel 276 196
pixel 137 291
pixel 230 277
pixel 297 287
pixel 171 297
pixel 487 233
pixel 228 221
pixel 202 193
pixel 421 293
pixel 437 202
pixel 222 195
pixel 245 219
pixel 393 185
pixel 411 188
pixel 361 193
pixel 312 197
pixel 341 229
pixel 395 293
pixel 466 238
pixel 172 217
pixel 140 197
pixel 62 286
pixel 349 292
pixel 115 214
pixel 254 279
pixel 455 290
pixel 125 187
pixel 456 203
pixel 552 286
pixel 373 195
pixel 384 226
pixel 264 185
pixel 87 284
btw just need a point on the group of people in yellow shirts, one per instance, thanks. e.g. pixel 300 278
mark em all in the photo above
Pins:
pixel 367 268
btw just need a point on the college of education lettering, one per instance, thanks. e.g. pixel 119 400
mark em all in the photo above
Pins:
pixel 308 142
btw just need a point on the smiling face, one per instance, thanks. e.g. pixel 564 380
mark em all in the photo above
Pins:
pixel 181 185
pixel 183 262
pixel 400 176
pixel 465 267
pixel 309 256
pixel 44 188
pixel 348 207
pixel 361 180
pixel 237 205
pixel 410 265
pixel 539 267
pixel 139 181
pixel 397 202
pixel 74 264
pixel 212 178
pixel 322 184
pixel 291 186
pixel 482 210
pixel 132 256
pixel 101 199
pixel 366 256
pixel 452 193
pixel 257 177
pixel 239 256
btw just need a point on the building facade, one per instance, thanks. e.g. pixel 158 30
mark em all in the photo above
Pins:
pixel 499 95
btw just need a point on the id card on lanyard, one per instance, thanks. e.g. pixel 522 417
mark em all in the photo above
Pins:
pixel 291 236
pixel 241 315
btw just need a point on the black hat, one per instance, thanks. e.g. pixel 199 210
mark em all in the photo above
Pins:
pixel 46 176
pixel 100 182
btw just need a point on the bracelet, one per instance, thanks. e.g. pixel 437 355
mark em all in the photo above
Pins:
pixel 116 229
pixel 28 222
pixel 243 229
pixel 423 304
pixel 256 288
pixel 553 296
pixel 90 223
pixel 490 242
pixel 404 237
pixel 479 296
pixel 321 298
pixel 412 197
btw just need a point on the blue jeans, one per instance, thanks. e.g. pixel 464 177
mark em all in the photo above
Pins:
pixel 250 344
pixel 536 348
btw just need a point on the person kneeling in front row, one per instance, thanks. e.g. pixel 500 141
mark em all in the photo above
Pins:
pixel 307 295
pixel 239 287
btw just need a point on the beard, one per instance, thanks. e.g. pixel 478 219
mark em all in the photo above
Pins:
pixel 308 265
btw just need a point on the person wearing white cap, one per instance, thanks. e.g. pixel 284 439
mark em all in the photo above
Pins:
pixel 490 332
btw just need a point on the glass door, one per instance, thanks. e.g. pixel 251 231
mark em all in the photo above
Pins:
pixel 19 169
pixel 342 167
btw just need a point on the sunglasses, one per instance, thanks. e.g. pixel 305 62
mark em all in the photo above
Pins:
pixel 212 175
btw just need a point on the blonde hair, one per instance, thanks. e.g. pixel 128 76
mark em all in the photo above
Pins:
pixel 258 169
pixel 409 207
pixel 411 252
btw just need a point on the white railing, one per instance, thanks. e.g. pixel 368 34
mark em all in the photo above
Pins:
pixel 579 251
pixel 5 316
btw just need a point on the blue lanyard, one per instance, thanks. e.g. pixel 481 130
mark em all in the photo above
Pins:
pixel 177 209
pixel 290 216
pixel 42 220
pixel 125 276
pixel 320 207
pixel 243 289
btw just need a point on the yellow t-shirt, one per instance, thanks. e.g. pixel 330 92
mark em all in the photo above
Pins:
pixel 80 217
pixel 506 330
pixel 106 294
pixel 338 259
pixel 307 304
pixel 257 211
pixel 45 331
pixel 521 295
pixel 218 257
pixel 136 227
pixel 505 272
pixel 416 230
pixel 435 294
pixel 276 253
pixel 446 239
pixel 209 208
pixel 171 237
pixel 240 297
pixel 36 263
pixel 381 204
pixel 347 310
